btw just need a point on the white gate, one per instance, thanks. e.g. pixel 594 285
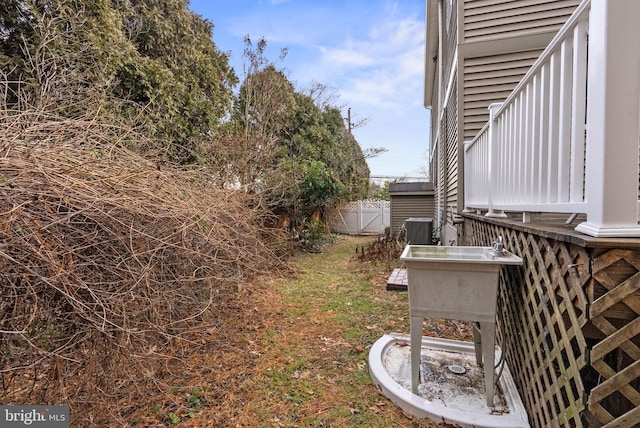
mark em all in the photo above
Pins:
pixel 362 217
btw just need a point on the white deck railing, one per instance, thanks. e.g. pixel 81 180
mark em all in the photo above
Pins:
pixel 537 154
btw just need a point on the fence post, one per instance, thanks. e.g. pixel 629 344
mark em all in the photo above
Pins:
pixel 493 161
pixel 613 119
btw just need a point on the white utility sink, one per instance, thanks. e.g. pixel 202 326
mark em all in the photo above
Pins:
pixel 455 283
pixel 437 253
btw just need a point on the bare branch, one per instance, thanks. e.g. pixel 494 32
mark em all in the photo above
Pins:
pixel 373 152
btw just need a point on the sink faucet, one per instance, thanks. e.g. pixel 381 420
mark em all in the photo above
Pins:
pixel 498 246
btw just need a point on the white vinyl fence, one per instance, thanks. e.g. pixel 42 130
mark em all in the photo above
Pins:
pixel 362 217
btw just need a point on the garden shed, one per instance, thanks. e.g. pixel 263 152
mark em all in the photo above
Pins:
pixel 410 200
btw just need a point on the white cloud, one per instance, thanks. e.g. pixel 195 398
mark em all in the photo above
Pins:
pixel 346 57
pixel 383 68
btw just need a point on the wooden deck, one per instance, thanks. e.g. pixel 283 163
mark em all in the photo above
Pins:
pixel 554 226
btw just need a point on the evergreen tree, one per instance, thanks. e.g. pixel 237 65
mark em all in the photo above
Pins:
pixel 152 62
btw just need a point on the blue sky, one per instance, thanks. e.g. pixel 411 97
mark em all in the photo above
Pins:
pixel 370 51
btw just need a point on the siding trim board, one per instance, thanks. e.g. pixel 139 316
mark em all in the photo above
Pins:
pixel 486 20
pixel 525 14
pixel 509 31
pixel 475 7
pixel 533 40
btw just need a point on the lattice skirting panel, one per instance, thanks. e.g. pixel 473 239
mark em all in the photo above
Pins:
pixel 569 324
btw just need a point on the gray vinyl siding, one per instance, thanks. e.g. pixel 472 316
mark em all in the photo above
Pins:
pixel 452 176
pixel 491 79
pixel 494 19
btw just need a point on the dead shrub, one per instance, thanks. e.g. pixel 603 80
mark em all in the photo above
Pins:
pixel 107 261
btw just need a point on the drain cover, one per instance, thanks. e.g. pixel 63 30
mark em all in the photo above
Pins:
pixel 457 369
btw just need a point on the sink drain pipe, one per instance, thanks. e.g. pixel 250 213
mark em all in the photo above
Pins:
pixel 501 362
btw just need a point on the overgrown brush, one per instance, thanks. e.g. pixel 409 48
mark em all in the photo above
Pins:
pixel 385 248
pixel 107 259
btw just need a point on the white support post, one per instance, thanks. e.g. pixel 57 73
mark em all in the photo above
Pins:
pixel 578 113
pixel 493 160
pixel 613 119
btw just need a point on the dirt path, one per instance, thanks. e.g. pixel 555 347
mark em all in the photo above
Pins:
pixel 294 350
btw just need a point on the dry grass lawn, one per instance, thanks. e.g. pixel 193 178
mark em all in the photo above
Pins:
pixel 293 351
